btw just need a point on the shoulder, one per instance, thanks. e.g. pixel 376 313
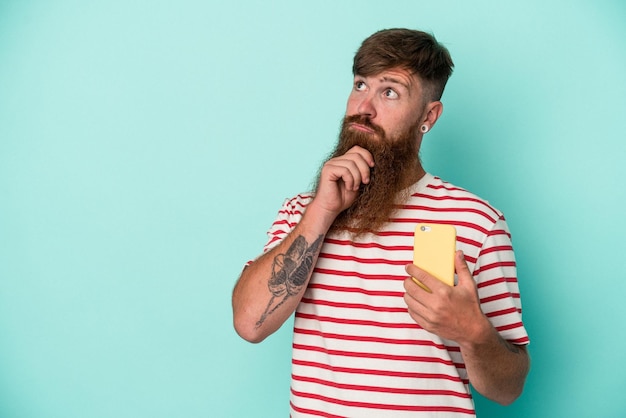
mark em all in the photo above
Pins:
pixel 293 208
pixel 443 195
pixel 289 215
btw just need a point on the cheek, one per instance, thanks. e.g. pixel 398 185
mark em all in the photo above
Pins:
pixel 395 125
pixel 409 121
pixel 351 106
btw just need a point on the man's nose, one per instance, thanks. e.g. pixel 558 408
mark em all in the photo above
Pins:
pixel 366 107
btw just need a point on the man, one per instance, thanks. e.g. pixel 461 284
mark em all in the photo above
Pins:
pixel 368 341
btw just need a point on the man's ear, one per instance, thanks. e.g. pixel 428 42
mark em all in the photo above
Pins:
pixel 431 113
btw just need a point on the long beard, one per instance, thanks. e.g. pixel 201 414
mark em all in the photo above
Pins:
pixel 396 167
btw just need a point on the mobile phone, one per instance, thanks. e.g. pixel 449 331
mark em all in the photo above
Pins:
pixel 433 250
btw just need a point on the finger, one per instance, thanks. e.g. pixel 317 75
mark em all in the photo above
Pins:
pixel 363 160
pixel 420 284
pixel 345 171
pixel 417 309
pixel 462 270
pixel 353 162
pixel 358 167
pixel 429 281
pixel 365 154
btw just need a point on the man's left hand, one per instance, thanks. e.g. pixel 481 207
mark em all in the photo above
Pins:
pixel 452 313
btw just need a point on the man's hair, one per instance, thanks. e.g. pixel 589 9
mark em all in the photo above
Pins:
pixel 415 51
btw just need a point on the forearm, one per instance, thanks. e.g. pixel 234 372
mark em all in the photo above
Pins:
pixel 496 368
pixel 269 290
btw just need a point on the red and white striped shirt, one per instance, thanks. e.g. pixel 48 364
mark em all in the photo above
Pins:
pixel 356 350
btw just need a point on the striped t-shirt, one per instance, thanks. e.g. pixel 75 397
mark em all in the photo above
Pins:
pixel 356 350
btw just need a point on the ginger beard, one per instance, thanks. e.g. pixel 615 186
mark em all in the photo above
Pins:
pixel 396 167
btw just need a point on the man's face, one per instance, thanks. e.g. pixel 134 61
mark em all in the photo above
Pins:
pixel 383 117
pixel 391 100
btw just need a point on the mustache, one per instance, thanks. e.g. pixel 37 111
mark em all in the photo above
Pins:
pixel 365 121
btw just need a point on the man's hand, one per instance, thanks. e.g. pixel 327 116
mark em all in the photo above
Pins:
pixel 496 368
pixel 452 313
pixel 340 180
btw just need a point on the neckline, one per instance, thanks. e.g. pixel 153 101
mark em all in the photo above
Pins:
pixel 421 184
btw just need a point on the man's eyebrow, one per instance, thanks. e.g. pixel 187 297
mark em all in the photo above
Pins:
pixel 395 81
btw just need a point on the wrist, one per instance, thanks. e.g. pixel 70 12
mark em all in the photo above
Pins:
pixel 319 217
pixel 480 335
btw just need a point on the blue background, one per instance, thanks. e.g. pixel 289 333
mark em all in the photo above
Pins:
pixel 145 147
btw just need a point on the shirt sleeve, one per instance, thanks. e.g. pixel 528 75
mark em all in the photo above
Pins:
pixel 495 273
pixel 286 220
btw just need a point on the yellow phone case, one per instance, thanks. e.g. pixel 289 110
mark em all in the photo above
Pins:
pixel 433 251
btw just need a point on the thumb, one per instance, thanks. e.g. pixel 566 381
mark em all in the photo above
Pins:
pixel 462 271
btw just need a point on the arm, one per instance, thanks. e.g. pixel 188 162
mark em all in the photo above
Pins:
pixel 269 290
pixel 496 368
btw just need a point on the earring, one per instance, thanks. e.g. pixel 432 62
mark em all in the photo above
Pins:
pixel 424 128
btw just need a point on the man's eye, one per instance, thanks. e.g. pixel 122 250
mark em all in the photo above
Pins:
pixel 390 94
pixel 359 85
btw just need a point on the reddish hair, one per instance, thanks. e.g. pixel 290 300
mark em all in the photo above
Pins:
pixel 416 51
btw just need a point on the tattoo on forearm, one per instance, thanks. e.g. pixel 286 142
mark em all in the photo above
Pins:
pixel 290 272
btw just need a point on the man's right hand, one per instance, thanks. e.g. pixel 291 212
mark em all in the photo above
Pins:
pixel 340 180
